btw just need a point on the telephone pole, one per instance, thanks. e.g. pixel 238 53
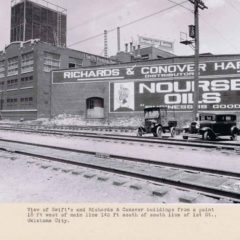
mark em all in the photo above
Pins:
pixel 197 4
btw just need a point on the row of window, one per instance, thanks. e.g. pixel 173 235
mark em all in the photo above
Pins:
pixel 27 63
pixel 51 62
pixel 22 100
pixel 2 69
pixel 27 79
pixel 11 82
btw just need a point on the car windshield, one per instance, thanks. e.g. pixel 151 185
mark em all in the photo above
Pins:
pixel 151 114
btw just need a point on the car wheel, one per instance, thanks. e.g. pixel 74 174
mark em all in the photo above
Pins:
pixel 173 132
pixel 139 132
pixel 234 136
pixel 208 136
pixel 205 136
pixel 159 131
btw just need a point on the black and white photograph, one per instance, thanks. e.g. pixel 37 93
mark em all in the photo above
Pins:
pixel 120 102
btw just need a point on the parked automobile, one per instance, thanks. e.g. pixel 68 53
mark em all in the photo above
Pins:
pixel 209 126
pixel 156 122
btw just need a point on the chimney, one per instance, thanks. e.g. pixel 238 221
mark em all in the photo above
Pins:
pixel 131 47
pixel 134 50
pixel 138 50
pixel 118 40
pixel 126 47
pixel 105 44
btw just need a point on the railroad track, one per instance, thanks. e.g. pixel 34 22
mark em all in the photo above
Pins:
pixel 202 181
pixel 218 145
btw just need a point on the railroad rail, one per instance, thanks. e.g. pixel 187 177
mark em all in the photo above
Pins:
pixel 207 182
pixel 218 145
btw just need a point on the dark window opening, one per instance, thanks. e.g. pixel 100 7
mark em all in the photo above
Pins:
pixel 95 107
pixel 71 65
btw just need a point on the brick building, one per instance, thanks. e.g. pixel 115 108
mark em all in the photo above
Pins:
pixel 121 91
pixel 141 53
pixel 25 74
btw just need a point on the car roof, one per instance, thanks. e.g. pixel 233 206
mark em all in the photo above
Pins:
pixel 217 114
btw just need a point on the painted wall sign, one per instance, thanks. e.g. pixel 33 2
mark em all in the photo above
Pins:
pixel 176 95
pixel 162 71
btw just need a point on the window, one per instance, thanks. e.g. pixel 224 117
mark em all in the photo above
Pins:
pixel 146 56
pixel 151 114
pixel 27 62
pixel 2 83
pixel 75 62
pixel 1 104
pixel 209 118
pixel 51 61
pixel 26 79
pixel 228 118
pixel 12 82
pixel 12 66
pixel 26 101
pixel 12 101
pixel 71 65
pixel 2 69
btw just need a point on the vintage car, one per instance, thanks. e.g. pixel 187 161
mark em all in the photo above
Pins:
pixel 156 122
pixel 209 126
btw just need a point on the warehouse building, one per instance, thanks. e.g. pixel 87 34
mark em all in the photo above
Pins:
pixel 25 74
pixel 38 45
pixel 121 91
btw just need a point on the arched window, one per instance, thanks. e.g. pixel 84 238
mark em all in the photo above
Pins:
pixel 95 107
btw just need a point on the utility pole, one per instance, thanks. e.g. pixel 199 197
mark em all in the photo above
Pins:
pixel 24 21
pixel 197 4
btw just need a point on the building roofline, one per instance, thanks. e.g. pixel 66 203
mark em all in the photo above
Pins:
pixel 158 50
pixel 44 4
pixel 151 60
pixel 32 41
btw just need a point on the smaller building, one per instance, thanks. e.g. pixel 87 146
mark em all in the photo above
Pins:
pixel 25 76
pixel 140 54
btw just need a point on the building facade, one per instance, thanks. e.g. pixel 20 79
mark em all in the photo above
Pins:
pixel 45 21
pixel 134 54
pixel 123 90
pixel 25 76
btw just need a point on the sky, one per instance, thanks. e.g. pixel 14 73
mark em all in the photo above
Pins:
pixel 219 24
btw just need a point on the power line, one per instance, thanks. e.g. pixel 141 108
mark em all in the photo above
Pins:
pixel 219 33
pixel 116 8
pixel 233 6
pixel 153 14
pixel 97 17
pixel 130 23
pixel 189 9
